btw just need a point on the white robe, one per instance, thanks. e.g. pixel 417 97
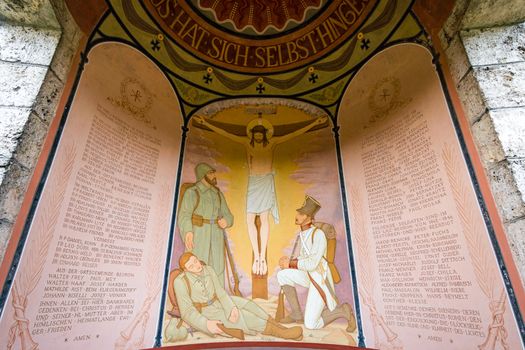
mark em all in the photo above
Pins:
pixel 311 261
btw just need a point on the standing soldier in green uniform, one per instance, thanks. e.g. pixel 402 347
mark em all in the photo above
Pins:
pixel 202 218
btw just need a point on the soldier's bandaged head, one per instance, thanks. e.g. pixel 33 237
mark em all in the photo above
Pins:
pixel 189 262
pixel 184 258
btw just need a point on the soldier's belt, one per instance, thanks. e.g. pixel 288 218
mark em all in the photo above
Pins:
pixel 198 220
pixel 200 306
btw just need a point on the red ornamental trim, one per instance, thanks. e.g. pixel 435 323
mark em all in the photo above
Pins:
pixel 338 21
pixel 270 13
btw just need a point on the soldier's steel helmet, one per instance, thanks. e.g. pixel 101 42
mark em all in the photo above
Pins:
pixel 201 170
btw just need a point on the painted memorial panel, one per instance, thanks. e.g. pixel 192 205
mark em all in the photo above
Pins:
pixel 90 274
pixel 427 273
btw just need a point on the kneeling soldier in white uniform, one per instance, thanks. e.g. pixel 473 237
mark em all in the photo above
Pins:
pixel 311 270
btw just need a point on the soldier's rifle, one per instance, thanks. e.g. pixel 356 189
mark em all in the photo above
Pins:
pixel 279 314
pixel 236 290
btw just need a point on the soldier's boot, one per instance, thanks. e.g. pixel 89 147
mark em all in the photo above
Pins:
pixel 296 316
pixel 275 329
pixel 232 332
pixel 341 311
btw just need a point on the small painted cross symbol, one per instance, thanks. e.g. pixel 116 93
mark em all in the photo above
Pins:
pixel 365 44
pixel 313 78
pixel 385 95
pixel 155 45
pixel 136 94
pixel 207 78
pixel 260 88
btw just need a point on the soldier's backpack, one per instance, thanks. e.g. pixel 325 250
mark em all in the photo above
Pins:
pixel 183 188
pixel 175 311
pixel 196 220
pixel 331 241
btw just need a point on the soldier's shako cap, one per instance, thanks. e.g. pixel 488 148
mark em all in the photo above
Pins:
pixel 310 206
pixel 201 170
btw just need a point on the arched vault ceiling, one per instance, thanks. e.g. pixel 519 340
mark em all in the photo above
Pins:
pixel 308 52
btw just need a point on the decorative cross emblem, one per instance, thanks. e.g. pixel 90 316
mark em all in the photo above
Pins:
pixel 136 95
pixel 365 44
pixel 313 78
pixel 207 78
pixel 155 45
pixel 260 88
pixel 384 95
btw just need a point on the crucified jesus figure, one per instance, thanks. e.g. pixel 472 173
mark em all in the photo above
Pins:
pixel 261 198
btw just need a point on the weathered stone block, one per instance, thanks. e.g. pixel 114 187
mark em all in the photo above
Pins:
pixel 61 64
pixel 508 197
pixel 487 142
pixel 502 85
pixel 48 97
pixel 518 170
pixel 490 13
pixel 495 45
pixel 31 142
pixel 509 124
pixel 453 24
pixel 38 14
pixel 516 239
pixel 67 22
pixel 5 235
pixel 20 83
pixel 13 190
pixel 27 45
pixel 12 121
pixel 457 59
pixel 471 97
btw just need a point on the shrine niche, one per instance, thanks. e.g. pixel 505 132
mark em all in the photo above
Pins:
pixel 287 174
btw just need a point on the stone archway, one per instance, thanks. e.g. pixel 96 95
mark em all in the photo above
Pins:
pixel 38 41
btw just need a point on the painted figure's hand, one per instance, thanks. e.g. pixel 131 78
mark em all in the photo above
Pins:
pixel 234 315
pixel 199 119
pixel 284 262
pixel 322 120
pixel 212 326
pixel 222 223
pixel 188 241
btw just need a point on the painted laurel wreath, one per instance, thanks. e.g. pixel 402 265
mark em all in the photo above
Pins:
pixel 479 252
pixel 34 258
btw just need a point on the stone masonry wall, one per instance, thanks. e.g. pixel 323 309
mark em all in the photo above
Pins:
pixel 38 40
pixel 484 41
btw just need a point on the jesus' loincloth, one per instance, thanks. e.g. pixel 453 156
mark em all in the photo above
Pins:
pixel 261 195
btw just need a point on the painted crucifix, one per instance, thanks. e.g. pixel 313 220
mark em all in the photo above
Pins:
pixel 261 199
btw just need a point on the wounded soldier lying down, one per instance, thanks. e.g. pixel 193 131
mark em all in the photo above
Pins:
pixel 205 306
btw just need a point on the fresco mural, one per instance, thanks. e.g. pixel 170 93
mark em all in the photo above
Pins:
pixel 265 158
